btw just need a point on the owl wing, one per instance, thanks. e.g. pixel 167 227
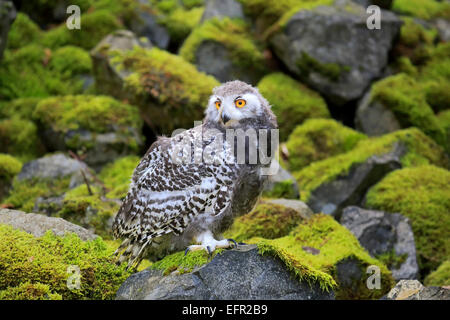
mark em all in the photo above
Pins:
pixel 165 196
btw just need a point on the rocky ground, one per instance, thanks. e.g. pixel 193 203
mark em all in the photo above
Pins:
pixel 364 119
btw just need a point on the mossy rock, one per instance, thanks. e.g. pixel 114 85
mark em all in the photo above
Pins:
pixel 39 268
pixel 94 27
pixel 420 150
pixel 444 121
pixel 20 138
pixel 237 55
pixel 22 108
pixel 320 249
pixel 423 9
pixel 9 168
pixel 23 31
pixel 404 96
pixel 318 139
pixel 99 127
pixel 422 195
pixel 267 220
pixel 170 92
pixel 291 101
pixel 30 72
pixel 440 277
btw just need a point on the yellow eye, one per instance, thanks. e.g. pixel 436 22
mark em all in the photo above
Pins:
pixel 240 103
pixel 218 104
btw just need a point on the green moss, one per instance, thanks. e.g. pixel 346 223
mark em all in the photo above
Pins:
pixel 413 33
pixel 21 108
pixel 266 220
pixel 424 9
pixel 422 195
pixel 94 113
pixel 165 80
pixel 444 121
pixel 44 263
pixel 30 72
pixel 90 211
pixel 20 138
pixel 314 248
pixel 233 34
pixel 94 27
pixel 392 260
pixel 291 102
pixel 29 291
pixel 9 167
pixel 183 263
pixel 117 176
pixel 283 189
pixel 23 31
pixel 307 64
pixel 181 22
pixel 440 277
pixel 403 95
pixel 318 139
pixel 25 192
pixel 421 150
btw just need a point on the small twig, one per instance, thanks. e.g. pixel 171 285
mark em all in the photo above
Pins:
pixel 86 182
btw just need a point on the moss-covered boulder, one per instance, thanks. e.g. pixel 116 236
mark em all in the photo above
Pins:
pixel 48 267
pixel 23 31
pixel 36 71
pixel 100 129
pixel 269 220
pixel 291 101
pixel 318 139
pixel 439 277
pixel 422 195
pixel 170 92
pixel 225 49
pixel 333 183
pixel 404 97
pixel 9 168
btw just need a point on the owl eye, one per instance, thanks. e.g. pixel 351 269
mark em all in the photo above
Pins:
pixel 218 104
pixel 240 103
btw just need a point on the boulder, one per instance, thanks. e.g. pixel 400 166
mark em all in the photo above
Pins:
pixel 338 57
pixel 414 290
pixel 233 275
pixel 169 92
pixel 331 184
pixel 7 16
pixel 226 50
pixel 420 194
pixel 281 185
pixel 99 129
pixel 223 8
pixel 386 236
pixel 331 197
pixel 38 224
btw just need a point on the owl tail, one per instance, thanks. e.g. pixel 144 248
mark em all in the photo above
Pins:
pixel 131 252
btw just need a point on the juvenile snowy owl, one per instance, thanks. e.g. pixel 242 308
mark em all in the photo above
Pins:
pixel 187 189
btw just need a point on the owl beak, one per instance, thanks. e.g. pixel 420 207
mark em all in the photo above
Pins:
pixel 225 118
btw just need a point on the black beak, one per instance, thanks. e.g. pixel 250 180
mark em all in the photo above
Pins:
pixel 225 118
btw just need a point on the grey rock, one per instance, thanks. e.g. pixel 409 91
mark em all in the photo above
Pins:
pixel 414 290
pixel 349 189
pixel 336 36
pixel 443 27
pixel 235 274
pixel 382 232
pixel 146 25
pixel 374 119
pixel 299 206
pixel 213 58
pixel 51 167
pixel 7 15
pixel 48 206
pixel 38 224
pixel 223 8
pixel 386 4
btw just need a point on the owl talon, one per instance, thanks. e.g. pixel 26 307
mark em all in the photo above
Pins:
pixel 234 243
pixel 186 251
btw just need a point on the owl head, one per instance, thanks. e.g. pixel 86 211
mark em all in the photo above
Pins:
pixel 234 103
